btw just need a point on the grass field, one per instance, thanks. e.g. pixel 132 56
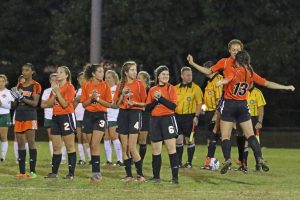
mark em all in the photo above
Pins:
pixel 281 182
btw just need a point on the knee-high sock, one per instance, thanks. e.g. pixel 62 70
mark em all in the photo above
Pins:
pixel 33 157
pixel 156 165
pixel 179 150
pixel 226 148
pixel 4 147
pixel 72 163
pixel 81 152
pixel 143 150
pixel 22 159
pixel 240 141
pixel 174 164
pixel 253 143
pixel 190 151
pixel 56 159
pixel 108 150
pixel 118 149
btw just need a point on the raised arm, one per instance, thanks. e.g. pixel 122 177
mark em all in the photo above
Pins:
pixel 201 69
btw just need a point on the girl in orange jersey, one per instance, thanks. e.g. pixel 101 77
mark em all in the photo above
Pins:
pixel 161 102
pixel 63 121
pixel 234 108
pixel 145 77
pixel 27 96
pixel 95 98
pixel 130 96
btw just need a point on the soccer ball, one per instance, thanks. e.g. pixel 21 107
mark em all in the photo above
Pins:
pixel 214 164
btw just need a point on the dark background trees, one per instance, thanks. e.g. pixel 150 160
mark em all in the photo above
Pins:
pixel 57 32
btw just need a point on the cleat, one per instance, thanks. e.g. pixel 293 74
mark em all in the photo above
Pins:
pixel 226 166
pixel 263 165
pixel 119 163
pixel 25 176
pixel 51 175
pixel 154 180
pixel 32 174
pixel 81 162
pixel 69 177
pixel 243 169
pixel 127 179
pixel 187 165
pixel 97 178
pixel 258 168
pixel 108 163
pixel 140 179
pixel 174 181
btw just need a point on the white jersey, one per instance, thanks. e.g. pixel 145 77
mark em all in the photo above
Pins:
pixel 6 99
pixel 79 110
pixel 48 112
pixel 112 114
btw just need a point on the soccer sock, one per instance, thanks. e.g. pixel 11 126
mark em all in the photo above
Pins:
pixel 32 156
pixel 246 156
pixel 16 150
pixel 212 145
pixel 253 143
pixel 139 168
pixel 63 152
pixel 4 147
pixel 190 151
pixel 21 159
pixel 118 149
pixel 108 150
pixel 226 148
pixel 240 141
pixel 81 152
pixel 156 165
pixel 95 164
pixel 174 164
pixel 127 164
pixel 87 149
pixel 72 163
pixel 56 159
pixel 143 150
pixel 26 146
pixel 51 148
pixel 179 150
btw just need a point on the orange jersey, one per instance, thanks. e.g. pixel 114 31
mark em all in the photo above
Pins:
pixel 137 94
pixel 168 91
pixel 104 93
pixel 239 83
pixel 67 91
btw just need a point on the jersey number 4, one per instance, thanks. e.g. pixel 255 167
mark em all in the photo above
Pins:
pixel 240 89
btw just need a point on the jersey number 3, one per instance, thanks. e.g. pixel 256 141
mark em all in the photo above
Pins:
pixel 240 88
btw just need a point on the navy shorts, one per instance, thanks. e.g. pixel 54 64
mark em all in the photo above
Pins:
pixel 129 121
pixel 163 128
pixel 94 121
pixel 63 124
pixel 185 124
pixel 235 111
pixel 145 121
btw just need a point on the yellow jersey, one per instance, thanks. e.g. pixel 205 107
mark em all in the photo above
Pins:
pixel 189 96
pixel 212 93
pixel 255 100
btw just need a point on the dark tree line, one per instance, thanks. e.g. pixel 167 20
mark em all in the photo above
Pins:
pixel 57 32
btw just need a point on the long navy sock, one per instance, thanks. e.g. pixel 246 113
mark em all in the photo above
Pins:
pixel 143 150
pixel 253 143
pixel 240 141
pixel 156 165
pixel 33 156
pixel 213 139
pixel 174 164
pixel 179 150
pixel 139 168
pixel 127 164
pixel 56 159
pixel 72 163
pixel 190 151
pixel 95 164
pixel 226 148
pixel 22 159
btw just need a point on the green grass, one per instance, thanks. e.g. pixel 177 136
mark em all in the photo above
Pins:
pixel 281 182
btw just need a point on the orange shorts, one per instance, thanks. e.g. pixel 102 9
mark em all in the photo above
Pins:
pixel 22 126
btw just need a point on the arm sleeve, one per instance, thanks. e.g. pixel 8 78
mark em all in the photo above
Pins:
pixel 258 79
pixel 219 66
pixel 169 104
pixel 150 106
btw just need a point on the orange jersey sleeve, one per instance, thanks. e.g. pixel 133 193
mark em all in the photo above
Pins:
pixel 258 79
pixel 169 92
pixel 68 93
pixel 37 88
pixel 223 64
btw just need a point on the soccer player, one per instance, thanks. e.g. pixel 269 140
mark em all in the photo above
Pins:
pixel 145 78
pixel 111 77
pixel 83 145
pixel 27 97
pixel 161 102
pixel 95 98
pixel 212 94
pixel 190 100
pixel 5 121
pixel 130 97
pixel 63 121
pixel 234 107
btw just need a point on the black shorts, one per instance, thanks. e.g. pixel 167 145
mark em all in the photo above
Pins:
pixel 94 121
pixel 63 124
pixel 129 121
pixel 145 121
pixel 235 111
pixel 208 125
pixel 163 128
pixel 185 124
